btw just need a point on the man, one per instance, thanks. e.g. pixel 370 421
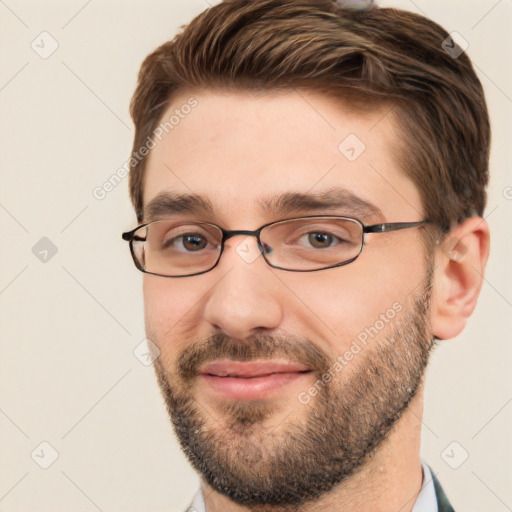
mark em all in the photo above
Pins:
pixel 309 182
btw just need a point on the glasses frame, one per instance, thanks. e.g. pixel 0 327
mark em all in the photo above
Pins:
pixel 385 227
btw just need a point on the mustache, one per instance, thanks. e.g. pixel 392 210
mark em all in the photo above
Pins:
pixel 219 346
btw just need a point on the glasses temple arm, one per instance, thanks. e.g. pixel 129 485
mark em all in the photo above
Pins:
pixel 392 226
pixel 129 237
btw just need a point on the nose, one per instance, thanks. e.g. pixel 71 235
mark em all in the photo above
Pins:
pixel 246 299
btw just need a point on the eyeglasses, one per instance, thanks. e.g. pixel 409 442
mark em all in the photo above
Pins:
pixel 176 248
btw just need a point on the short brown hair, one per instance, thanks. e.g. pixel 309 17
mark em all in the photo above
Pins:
pixel 380 55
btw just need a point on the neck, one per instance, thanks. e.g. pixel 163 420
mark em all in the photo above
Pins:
pixel 390 480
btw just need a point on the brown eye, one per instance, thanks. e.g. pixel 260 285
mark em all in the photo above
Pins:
pixel 193 242
pixel 320 240
pixel 185 242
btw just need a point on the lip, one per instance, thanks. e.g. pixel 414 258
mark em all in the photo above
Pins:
pixel 237 380
pixel 250 369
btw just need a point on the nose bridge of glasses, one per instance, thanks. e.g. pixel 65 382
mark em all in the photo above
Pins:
pixel 242 248
pixel 227 234
pixel 231 233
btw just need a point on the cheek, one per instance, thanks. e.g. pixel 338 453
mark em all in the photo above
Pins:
pixel 342 303
pixel 168 308
pixel 339 306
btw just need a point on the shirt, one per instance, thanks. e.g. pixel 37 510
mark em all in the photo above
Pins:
pixel 425 502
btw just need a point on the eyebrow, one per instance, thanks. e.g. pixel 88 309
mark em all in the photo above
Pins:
pixel 167 204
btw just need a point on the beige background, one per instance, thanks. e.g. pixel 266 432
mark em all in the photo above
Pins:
pixel 69 325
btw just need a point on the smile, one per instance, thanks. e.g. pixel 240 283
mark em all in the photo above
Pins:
pixel 252 380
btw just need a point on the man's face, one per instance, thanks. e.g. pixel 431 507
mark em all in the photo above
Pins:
pixel 262 432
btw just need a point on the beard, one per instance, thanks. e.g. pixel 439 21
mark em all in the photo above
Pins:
pixel 334 435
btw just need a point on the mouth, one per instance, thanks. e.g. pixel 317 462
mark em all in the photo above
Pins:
pixel 250 380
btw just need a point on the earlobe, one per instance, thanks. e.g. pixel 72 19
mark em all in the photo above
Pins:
pixel 460 262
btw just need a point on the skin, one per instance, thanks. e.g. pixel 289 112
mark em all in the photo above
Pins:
pixel 236 147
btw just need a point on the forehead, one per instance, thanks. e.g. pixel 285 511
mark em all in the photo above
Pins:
pixel 242 154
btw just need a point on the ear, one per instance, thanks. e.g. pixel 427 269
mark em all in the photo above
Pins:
pixel 458 276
